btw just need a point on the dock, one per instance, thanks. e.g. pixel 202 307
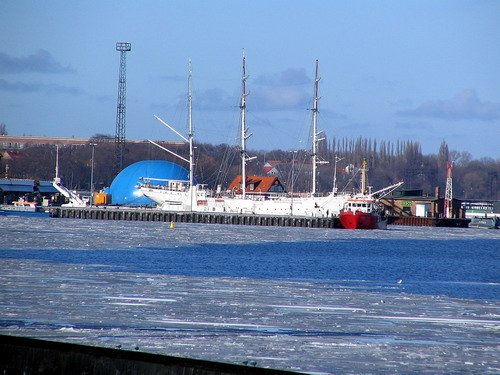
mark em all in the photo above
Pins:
pixel 152 214
pixel 148 214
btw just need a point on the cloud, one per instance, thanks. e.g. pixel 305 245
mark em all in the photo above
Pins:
pixel 414 126
pixel 401 103
pixel 39 62
pixel 463 106
pixel 18 86
pixel 288 77
pixel 282 90
pixel 52 88
pixel 214 99
pixel 278 98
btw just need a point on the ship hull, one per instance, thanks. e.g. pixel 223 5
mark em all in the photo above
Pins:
pixel 9 210
pixel 485 223
pixel 199 201
pixel 361 220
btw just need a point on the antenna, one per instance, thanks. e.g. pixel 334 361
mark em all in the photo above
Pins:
pixel 122 47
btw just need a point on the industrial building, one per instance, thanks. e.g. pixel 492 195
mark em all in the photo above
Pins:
pixel 413 202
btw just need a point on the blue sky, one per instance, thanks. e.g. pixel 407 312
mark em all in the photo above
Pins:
pixel 421 70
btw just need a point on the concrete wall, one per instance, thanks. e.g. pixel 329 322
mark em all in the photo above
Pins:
pixel 21 355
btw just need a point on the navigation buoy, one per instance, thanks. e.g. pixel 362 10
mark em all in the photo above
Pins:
pixel 172 225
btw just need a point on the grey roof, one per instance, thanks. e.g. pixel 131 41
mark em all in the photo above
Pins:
pixel 14 185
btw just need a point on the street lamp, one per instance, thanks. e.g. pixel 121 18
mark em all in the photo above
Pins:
pixel 92 175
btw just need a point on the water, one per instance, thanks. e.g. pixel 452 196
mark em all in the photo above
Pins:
pixel 313 300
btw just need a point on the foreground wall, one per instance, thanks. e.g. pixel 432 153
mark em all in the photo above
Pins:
pixel 21 355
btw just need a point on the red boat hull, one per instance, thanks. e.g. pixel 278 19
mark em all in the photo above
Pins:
pixel 361 220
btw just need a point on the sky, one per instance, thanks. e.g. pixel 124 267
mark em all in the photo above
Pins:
pixel 419 70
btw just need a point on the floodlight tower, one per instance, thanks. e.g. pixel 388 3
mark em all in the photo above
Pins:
pixel 120 107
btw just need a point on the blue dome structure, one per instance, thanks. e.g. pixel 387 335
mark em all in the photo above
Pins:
pixel 123 188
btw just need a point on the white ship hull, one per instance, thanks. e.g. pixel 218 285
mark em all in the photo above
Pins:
pixel 199 200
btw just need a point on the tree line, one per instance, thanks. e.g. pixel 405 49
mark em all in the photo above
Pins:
pixel 217 165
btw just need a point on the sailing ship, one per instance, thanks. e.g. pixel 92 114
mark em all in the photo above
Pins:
pixel 182 195
pixel 364 210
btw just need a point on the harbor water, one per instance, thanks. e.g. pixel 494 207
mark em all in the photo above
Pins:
pixel 404 300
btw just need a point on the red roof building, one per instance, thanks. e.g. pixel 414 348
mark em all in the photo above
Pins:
pixel 257 185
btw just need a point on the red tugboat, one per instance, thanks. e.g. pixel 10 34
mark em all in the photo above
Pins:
pixel 361 213
pixel 363 210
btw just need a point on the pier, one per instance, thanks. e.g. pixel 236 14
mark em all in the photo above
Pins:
pixel 147 214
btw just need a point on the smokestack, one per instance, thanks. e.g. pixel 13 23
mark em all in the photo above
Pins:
pixel 436 192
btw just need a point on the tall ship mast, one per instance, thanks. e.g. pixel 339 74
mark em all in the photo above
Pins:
pixel 191 135
pixel 185 195
pixel 315 134
pixel 315 131
pixel 190 125
pixel 244 135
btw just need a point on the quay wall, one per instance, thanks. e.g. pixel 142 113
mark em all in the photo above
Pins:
pixel 146 214
pixel 428 221
pixel 23 355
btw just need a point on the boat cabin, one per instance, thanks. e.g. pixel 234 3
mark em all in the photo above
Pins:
pixel 164 184
pixel 359 205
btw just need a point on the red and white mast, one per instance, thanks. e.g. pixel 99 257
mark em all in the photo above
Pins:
pixel 448 195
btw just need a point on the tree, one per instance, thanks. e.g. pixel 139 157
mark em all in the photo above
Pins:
pixel 215 165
